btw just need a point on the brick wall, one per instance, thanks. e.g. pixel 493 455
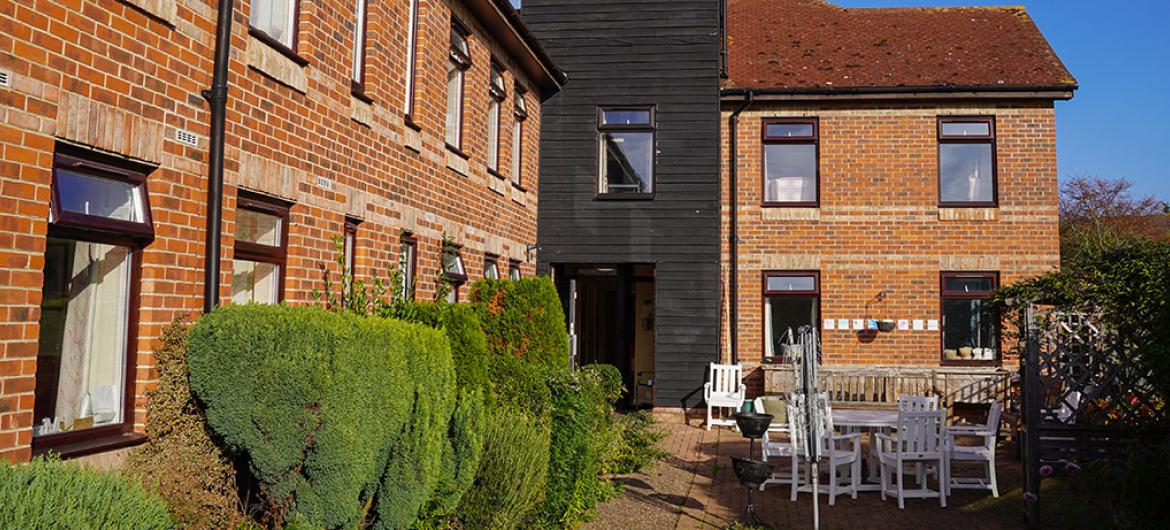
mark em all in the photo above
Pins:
pixel 122 77
pixel 879 227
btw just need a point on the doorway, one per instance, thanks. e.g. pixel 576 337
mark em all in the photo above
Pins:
pixel 610 310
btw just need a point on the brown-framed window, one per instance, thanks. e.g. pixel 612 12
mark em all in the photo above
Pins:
pixel 626 150
pixel 791 162
pixel 407 265
pixel 491 267
pixel 496 96
pixel 458 61
pixel 411 52
pixel 969 332
pixel 453 270
pixel 792 299
pixel 275 22
pixel 513 270
pixel 519 115
pixel 349 253
pixel 966 161
pixel 260 251
pixel 358 72
pixel 98 223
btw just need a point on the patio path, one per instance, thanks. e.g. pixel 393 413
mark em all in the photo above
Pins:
pixel 695 488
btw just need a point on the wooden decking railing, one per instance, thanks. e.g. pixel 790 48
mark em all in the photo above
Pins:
pixel 881 385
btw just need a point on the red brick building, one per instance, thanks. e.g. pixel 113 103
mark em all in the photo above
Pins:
pixel 890 165
pixel 396 125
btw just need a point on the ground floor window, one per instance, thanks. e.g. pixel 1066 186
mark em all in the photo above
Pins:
pixel 491 270
pixel 513 270
pixel 99 218
pixel 791 300
pixel 453 270
pixel 407 261
pixel 260 250
pixel 969 333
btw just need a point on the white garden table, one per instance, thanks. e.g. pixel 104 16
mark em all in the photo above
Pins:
pixel 876 419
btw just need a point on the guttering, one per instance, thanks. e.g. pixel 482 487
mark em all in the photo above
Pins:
pixel 906 92
pixel 733 226
pixel 217 96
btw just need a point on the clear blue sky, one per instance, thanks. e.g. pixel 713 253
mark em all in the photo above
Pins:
pixel 1118 124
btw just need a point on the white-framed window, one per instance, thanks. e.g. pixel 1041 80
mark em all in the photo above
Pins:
pixel 496 96
pixel 407 262
pixel 411 50
pixel 453 270
pixel 520 114
pixel 358 72
pixel 491 269
pixel 458 62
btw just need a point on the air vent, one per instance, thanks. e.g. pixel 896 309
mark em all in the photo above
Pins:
pixel 187 137
pixel 5 78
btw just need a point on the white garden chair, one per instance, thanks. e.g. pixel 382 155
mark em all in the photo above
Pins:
pixel 917 440
pixel 776 443
pixel 984 452
pixel 724 389
pixel 841 451
pixel 918 404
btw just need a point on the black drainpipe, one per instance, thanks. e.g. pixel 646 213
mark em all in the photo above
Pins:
pixel 733 227
pixel 217 96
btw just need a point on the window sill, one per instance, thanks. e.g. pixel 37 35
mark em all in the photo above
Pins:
pixel 278 46
pixel 971 364
pixel 358 90
pixel 624 197
pixel 775 204
pixel 458 151
pixel 89 446
pixel 408 120
pixel 522 189
pixel 495 173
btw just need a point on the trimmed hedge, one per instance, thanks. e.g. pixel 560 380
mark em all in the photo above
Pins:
pixel 180 461
pixel 53 495
pixel 523 318
pixel 335 413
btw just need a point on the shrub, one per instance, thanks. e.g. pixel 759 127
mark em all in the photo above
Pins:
pixel 523 318
pixel 512 474
pixel 461 323
pixel 52 495
pixel 180 462
pixel 582 432
pixel 335 414
pixel 637 444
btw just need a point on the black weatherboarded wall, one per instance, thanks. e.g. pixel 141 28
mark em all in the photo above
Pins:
pixel 639 52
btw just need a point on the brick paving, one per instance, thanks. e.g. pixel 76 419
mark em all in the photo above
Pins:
pixel 713 498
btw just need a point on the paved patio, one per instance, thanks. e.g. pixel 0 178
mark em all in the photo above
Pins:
pixel 695 488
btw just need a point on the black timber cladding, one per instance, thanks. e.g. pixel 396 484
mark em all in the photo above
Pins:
pixel 639 52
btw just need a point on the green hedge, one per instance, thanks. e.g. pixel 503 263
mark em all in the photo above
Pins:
pixel 52 495
pixel 512 475
pixel 582 436
pixel 523 318
pixel 334 413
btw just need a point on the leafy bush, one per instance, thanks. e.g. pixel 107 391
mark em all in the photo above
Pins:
pixel 461 323
pixel 582 435
pixel 180 462
pixel 335 414
pixel 512 473
pixel 523 318
pixel 52 495
pixel 637 444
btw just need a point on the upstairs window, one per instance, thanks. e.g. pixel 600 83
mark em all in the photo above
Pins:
pixel 99 220
pixel 626 147
pixel 458 61
pixel 276 20
pixel 260 250
pixel 496 96
pixel 966 162
pixel 349 248
pixel 491 270
pixel 453 270
pixel 359 47
pixel 969 331
pixel 411 51
pixel 520 113
pixel 407 264
pixel 791 300
pixel 791 167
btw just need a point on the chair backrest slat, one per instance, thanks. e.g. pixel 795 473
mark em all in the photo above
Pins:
pixel 725 378
pixel 920 431
pixel 917 403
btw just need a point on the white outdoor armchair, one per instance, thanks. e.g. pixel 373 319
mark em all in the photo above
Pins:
pixel 918 440
pixel 724 389
pixel 983 452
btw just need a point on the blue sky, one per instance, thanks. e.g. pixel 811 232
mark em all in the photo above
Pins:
pixel 1118 125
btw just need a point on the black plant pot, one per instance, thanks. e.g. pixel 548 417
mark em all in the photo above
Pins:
pixel 751 473
pixel 886 326
pixel 753 424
